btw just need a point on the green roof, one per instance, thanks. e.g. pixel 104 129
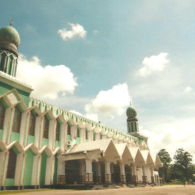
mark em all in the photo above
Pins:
pixel 10 34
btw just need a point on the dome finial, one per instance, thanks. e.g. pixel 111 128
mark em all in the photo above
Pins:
pixel 11 22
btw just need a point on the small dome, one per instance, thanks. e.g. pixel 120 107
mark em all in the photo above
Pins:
pixel 9 38
pixel 131 112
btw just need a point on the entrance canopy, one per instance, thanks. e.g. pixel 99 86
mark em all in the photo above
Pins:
pixel 93 150
pixel 125 154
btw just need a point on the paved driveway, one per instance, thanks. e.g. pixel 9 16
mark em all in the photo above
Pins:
pixel 162 190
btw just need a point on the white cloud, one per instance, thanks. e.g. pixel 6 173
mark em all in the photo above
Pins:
pixel 76 31
pixel 171 133
pixel 153 64
pixel 76 112
pixel 188 89
pixel 109 103
pixel 47 81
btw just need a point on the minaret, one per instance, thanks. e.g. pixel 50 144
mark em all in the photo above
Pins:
pixel 132 122
pixel 9 43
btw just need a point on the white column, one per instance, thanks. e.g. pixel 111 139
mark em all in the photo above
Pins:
pixel 23 128
pixel 144 177
pixel 23 170
pixel 38 131
pixel 26 130
pixel 6 125
pixel 134 175
pixel 52 134
pixel 18 169
pixel 152 174
pixel 99 172
pixel 82 170
pixel 73 131
pixel 63 136
pixel 36 170
pixel 122 173
pixel 97 136
pixel 49 170
pixel 107 172
pixel 82 130
pixel 61 171
pixel 3 163
pixel 9 130
pixel 89 173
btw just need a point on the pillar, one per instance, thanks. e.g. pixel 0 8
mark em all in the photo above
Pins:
pixel 107 172
pixel 18 171
pixel 82 171
pixel 36 170
pixel 152 175
pixel 99 172
pixel 50 167
pixel 88 173
pixel 144 177
pixel 122 173
pixel 61 171
pixel 3 168
pixel 134 176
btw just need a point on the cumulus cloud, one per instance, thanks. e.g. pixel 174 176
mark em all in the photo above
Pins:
pixel 76 112
pixel 171 133
pixel 76 31
pixel 153 64
pixel 109 103
pixel 188 89
pixel 47 81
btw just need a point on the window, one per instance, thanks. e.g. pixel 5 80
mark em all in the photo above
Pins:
pixel 78 132
pixel 57 131
pixel 86 134
pixel 69 130
pixel 100 136
pixel 16 120
pixel 11 164
pixel 2 115
pixel 46 127
pixel 32 124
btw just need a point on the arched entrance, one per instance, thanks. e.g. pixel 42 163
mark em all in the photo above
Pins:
pixel 128 173
pixel 95 173
pixel 115 173
pixel 72 171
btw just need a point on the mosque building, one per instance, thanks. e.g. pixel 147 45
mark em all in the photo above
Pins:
pixel 43 145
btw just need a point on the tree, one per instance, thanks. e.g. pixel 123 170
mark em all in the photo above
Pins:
pixel 183 165
pixel 165 159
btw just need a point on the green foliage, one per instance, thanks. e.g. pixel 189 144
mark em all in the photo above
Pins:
pixel 180 171
pixel 183 168
pixel 166 160
pixel 176 182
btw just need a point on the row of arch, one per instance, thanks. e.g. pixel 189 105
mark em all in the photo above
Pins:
pixel 34 113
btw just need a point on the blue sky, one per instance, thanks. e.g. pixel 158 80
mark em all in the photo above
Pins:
pixel 113 57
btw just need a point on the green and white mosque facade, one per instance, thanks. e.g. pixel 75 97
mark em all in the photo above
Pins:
pixel 43 145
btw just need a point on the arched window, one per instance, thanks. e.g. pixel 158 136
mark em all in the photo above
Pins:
pixel 78 132
pixel 69 130
pixel 86 134
pixel 58 131
pixel 2 115
pixel 3 62
pixel 46 127
pixel 32 122
pixel 16 120
pixel 11 164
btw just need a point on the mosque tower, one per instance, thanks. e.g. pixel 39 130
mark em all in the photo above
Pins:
pixel 9 43
pixel 132 122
